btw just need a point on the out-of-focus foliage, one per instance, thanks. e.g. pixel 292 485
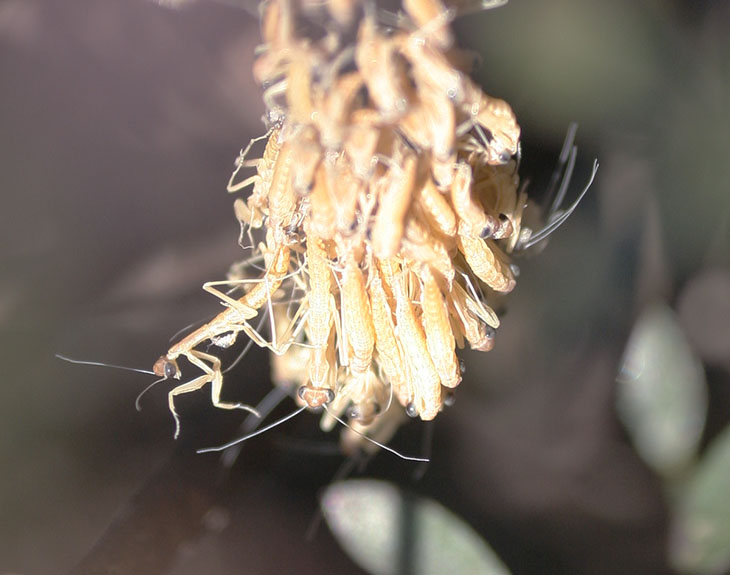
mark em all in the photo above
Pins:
pixel 701 542
pixel 382 528
pixel 692 145
pixel 594 70
pixel 661 395
pixel 704 309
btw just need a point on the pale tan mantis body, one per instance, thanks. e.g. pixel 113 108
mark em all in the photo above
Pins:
pixel 233 319
pixel 423 379
pixel 261 180
pixel 375 54
pixel 474 220
pixel 320 316
pixel 337 105
pixel 273 194
pixel 428 249
pixel 395 199
pixel 357 323
pixel 363 396
pixel 436 208
pixel 432 20
pixel 395 169
pixel 480 255
pixel 472 321
pixel 361 142
pixel 390 356
pixel 439 337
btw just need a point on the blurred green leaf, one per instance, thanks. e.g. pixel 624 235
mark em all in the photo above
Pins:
pixel 662 395
pixel 701 532
pixel 596 62
pixel 384 530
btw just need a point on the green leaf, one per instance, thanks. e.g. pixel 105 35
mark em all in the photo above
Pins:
pixel 662 395
pixel 382 529
pixel 701 533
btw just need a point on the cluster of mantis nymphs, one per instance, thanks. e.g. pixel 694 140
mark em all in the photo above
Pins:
pixel 387 205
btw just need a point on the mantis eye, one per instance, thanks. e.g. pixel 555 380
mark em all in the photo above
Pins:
pixel 487 232
pixel 411 410
pixel 364 413
pixel 170 369
pixel 165 368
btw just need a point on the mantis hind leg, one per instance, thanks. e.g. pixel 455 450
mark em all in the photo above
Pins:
pixel 278 344
pixel 248 311
pixel 241 162
pixel 212 373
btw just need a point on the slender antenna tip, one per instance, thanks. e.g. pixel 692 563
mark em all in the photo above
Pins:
pixel 102 364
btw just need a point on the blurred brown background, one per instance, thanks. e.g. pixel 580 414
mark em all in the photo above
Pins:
pixel 120 121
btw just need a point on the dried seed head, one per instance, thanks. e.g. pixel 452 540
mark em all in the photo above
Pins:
pixel 397 171
pixel 362 128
